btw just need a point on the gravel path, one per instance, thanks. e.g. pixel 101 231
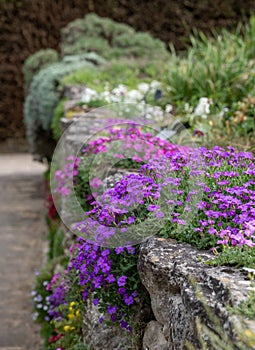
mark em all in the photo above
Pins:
pixel 22 230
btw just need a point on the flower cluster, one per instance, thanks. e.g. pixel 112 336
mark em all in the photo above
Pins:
pixel 101 278
pixel 209 194
pixel 42 304
pixel 226 211
pixel 145 93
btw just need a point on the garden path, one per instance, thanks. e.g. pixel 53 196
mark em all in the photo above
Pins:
pixel 21 236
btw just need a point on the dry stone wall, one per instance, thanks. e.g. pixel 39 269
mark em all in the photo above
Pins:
pixel 172 273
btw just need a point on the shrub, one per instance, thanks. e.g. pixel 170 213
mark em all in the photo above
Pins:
pixel 42 98
pixel 109 39
pixel 34 63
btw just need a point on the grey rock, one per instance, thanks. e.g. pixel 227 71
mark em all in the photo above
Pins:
pixel 100 336
pixel 173 274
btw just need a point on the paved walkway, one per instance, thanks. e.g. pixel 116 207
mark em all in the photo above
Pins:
pixel 21 232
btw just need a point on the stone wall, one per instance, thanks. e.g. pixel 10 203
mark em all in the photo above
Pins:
pixel 173 274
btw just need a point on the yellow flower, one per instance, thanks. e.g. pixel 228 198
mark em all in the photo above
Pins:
pixel 71 316
pixel 67 328
pixel 77 313
pixel 72 304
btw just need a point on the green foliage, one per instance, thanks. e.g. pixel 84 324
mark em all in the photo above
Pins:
pixel 43 97
pixel 118 72
pixel 235 256
pixel 221 68
pixel 55 237
pixel 109 39
pixel 241 117
pixel 71 342
pixel 57 115
pixel 36 62
pixel 247 307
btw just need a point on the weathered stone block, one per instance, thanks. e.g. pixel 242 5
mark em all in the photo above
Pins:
pixel 172 274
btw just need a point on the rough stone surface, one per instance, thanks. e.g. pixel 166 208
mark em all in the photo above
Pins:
pixel 100 336
pixel 171 273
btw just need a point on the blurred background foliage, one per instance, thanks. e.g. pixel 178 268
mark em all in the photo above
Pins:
pixel 28 26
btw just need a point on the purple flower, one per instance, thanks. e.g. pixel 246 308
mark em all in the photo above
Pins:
pixel 95 301
pixel 112 310
pixel 130 220
pixel 105 252
pixel 123 324
pixel 130 250
pixel 128 299
pixel 152 207
pixel 119 250
pixel 113 318
pixel 85 294
pixel 122 281
pixel 95 183
pixel 122 291
pixel 110 278
pixel 212 231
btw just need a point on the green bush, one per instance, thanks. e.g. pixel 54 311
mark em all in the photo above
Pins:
pixel 109 39
pixel 43 96
pixel 36 62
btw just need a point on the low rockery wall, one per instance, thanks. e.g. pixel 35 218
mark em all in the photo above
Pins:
pixel 181 285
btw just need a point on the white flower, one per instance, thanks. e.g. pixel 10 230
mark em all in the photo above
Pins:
pixel 134 96
pixel 187 107
pixel 35 316
pixel 203 107
pixel 168 108
pixel 120 90
pixel 89 95
pixel 105 95
pixel 158 113
pixel 155 84
pixel 143 87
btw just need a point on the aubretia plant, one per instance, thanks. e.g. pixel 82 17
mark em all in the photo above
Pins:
pixel 111 278
pixel 200 196
pixel 226 212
